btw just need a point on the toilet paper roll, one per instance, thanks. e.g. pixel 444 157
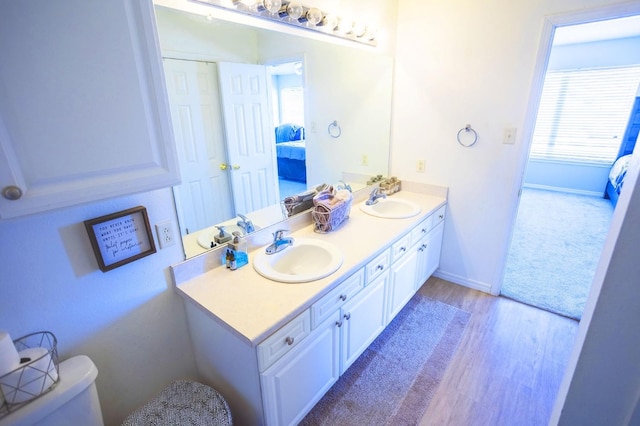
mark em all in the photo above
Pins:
pixel 9 358
pixel 37 374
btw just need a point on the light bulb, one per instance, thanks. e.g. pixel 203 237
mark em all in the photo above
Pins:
pixel 312 16
pixel 272 6
pixel 345 26
pixel 359 29
pixel 330 22
pixel 293 10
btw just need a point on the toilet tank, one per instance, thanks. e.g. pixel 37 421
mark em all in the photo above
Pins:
pixel 73 401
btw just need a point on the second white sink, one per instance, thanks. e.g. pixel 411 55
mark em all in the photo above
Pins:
pixel 306 260
pixel 391 208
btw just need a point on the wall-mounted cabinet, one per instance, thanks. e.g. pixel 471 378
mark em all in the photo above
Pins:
pixel 83 109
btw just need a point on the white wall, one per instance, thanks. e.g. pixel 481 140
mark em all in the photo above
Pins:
pixel 129 321
pixel 458 63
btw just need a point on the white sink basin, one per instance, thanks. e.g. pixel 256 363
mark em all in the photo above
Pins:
pixel 306 260
pixel 391 208
pixel 206 237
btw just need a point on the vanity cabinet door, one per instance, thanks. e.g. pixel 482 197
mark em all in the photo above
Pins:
pixel 428 252
pixel 362 320
pixel 83 108
pixel 402 284
pixel 293 385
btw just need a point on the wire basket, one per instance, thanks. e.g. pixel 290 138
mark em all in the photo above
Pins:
pixel 326 220
pixel 36 375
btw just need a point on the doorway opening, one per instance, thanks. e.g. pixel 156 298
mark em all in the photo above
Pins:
pixel 287 88
pixel 582 124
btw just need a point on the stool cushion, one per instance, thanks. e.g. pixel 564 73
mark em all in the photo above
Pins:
pixel 183 403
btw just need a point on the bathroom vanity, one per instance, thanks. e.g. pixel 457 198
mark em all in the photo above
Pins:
pixel 273 349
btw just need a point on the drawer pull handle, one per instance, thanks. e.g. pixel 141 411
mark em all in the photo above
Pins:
pixel 339 323
pixel 289 340
pixel 379 267
pixel 441 216
pixel 403 249
pixel 347 316
pixel 424 231
pixel 343 297
pixel 12 193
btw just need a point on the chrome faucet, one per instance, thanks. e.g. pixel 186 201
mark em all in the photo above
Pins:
pixel 343 185
pixel 245 224
pixel 279 242
pixel 375 194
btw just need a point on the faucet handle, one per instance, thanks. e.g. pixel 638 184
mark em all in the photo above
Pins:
pixel 278 234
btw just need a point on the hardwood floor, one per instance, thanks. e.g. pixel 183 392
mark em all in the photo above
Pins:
pixel 508 366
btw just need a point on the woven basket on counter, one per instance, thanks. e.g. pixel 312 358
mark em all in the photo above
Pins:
pixel 327 220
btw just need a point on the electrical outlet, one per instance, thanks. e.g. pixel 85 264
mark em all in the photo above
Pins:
pixel 166 234
pixel 420 166
pixel 365 160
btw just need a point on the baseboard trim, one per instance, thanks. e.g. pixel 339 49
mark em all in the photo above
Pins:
pixel 463 281
pixel 565 190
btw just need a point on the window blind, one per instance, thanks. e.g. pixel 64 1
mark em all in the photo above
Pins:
pixel 583 114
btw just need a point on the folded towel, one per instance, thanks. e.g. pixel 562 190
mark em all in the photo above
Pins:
pixel 298 203
pixel 331 208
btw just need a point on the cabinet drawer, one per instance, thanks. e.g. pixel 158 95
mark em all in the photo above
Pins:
pixel 400 247
pixel 439 216
pixel 283 340
pixel 323 308
pixel 421 230
pixel 377 266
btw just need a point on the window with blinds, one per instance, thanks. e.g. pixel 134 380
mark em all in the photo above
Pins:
pixel 583 114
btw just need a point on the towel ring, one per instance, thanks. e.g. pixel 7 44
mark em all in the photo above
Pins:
pixel 467 129
pixel 334 130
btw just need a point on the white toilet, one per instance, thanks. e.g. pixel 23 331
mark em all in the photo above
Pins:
pixel 73 401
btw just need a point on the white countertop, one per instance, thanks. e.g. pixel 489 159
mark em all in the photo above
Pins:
pixel 254 307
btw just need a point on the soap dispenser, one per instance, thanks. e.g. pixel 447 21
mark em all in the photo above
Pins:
pixel 222 237
pixel 236 255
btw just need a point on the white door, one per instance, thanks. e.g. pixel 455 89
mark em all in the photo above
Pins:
pixel 250 135
pixel 204 198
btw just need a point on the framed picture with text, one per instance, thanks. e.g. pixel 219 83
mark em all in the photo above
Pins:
pixel 120 238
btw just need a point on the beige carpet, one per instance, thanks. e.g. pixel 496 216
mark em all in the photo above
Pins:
pixel 394 380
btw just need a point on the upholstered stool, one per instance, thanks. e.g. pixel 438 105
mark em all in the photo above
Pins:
pixel 183 403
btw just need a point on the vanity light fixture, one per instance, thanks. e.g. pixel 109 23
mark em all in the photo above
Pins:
pixel 293 12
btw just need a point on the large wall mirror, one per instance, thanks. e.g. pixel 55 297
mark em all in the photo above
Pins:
pixel 231 145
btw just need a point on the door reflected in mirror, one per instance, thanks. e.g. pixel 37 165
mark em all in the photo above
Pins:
pixel 241 152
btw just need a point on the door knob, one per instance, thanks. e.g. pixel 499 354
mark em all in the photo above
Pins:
pixel 224 166
pixel 235 167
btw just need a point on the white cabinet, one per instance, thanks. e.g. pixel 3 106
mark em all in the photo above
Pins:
pixel 279 381
pixel 294 383
pixel 83 109
pixel 362 320
pixel 402 288
pixel 428 246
